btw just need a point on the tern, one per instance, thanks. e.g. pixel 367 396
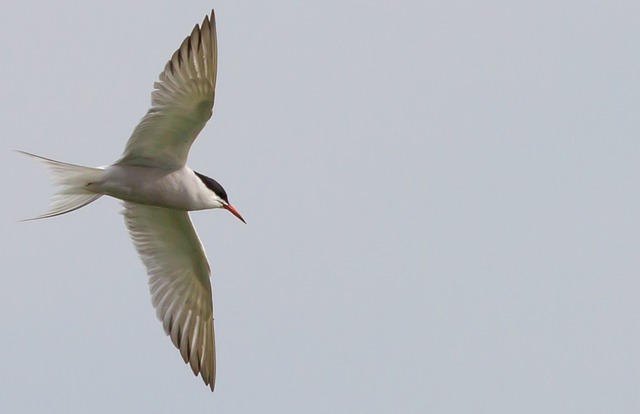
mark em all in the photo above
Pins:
pixel 158 190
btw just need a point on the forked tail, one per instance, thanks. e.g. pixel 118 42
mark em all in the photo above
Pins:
pixel 73 180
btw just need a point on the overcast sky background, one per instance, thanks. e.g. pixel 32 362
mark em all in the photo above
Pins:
pixel 442 202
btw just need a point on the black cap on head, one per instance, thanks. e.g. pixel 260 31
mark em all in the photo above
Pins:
pixel 213 185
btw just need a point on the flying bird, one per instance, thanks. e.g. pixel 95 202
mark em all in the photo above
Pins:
pixel 158 190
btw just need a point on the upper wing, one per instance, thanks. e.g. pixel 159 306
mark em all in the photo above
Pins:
pixel 179 281
pixel 181 103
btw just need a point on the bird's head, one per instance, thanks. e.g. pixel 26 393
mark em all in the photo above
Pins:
pixel 219 196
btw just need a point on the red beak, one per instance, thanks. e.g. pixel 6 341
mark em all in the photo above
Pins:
pixel 233 211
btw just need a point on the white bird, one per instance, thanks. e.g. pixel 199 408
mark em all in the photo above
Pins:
pixel 158 190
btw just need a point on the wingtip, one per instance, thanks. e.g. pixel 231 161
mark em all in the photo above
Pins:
pixel 211 17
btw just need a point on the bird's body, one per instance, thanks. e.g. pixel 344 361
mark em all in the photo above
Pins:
pixel 179 189
pixel 158 190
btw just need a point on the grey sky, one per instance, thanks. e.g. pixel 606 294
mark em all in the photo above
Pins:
pixel 441 197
